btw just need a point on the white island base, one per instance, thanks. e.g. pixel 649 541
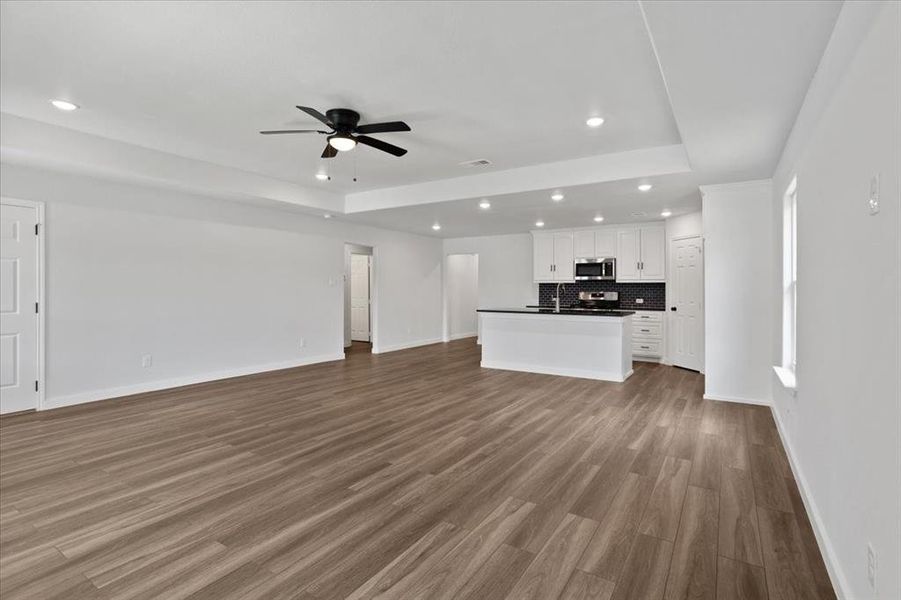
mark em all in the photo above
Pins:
pixel 587 346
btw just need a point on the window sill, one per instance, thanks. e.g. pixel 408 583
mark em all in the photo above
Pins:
pixel 787 378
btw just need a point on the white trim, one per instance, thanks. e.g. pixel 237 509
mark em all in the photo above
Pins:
pixel 757 401
pixel 564 372
pixel 405 345
pixel 836 575
pixel 787 378
pixel 175 382
pixel 41 293
pixel 460 336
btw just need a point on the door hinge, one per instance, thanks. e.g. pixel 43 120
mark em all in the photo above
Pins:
pixel 36 225
pixel 35 385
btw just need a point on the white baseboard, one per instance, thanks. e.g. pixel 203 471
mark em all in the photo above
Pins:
pixel 460 336
pixel 405 345
pixel 836 575
pixel 164 384
pixel 565 372
pixel 757 401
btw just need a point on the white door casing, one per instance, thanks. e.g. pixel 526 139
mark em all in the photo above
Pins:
pixel 359 297
pixel 687 285
pixel 20 290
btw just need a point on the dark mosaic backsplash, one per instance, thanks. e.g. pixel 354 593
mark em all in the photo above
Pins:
pixel 654 294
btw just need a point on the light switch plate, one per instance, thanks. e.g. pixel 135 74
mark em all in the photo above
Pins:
pixel 874 194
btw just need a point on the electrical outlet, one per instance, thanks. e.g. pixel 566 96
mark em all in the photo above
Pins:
pixel 874 194
pixel 871 566
pixel 147 361
pixel 639 301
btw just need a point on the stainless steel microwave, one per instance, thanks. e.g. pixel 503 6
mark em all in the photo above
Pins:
pixel 595 269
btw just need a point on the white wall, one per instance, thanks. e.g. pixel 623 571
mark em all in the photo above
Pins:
pixel 505 268
pixel 843 429
pixel 738 240
pixel 208 287
pixel 462 290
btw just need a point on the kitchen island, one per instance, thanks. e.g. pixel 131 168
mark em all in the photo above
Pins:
pixel 592 344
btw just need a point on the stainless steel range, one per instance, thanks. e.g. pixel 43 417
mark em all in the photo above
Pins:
pixel 598 300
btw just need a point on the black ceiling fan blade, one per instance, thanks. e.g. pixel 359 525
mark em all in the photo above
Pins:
pixel 383 127
pixel 316 114
pixel 329 152
pixel 279 131
pixel 380 145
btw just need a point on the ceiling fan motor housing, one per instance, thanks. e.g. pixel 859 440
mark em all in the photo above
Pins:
pixel 343 120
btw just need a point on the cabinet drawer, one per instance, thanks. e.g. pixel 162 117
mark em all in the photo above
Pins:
pixel 647 316
pixel 647 329
pixel 645 348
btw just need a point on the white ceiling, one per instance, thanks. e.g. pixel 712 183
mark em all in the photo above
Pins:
pixel 616 201
pixel 509 82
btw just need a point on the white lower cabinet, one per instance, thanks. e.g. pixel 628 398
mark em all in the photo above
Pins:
pixel 647 335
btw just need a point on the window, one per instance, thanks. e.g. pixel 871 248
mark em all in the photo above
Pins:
pixel 789 286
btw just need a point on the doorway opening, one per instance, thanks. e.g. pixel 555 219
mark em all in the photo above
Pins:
pixel 358 285
pixel 461 296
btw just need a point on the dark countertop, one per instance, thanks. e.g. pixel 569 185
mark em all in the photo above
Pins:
pixel 534 310
pixel 628 308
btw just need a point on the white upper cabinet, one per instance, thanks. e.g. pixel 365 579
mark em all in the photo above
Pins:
pixel 583 244
pixel 552 256
pixel 641 253
pixel 543 256
pixel 564 269
pixel 628 254
pixel 653 253
pixel 594 243
pixel 605 243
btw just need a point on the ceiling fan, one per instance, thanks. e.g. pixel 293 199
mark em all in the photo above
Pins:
pixel 344 125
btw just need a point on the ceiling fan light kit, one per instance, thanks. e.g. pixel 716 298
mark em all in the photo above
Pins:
pixel 346 131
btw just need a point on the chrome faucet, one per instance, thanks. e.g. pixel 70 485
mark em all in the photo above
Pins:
pixel 557 297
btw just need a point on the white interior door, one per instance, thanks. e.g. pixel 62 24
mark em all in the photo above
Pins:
pixel 686 298
pixel 359 297
pixel 18 308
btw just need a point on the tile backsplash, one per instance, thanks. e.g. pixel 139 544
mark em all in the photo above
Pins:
pixel 654 294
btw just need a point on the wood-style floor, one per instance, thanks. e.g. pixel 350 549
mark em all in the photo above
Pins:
pixel 408 475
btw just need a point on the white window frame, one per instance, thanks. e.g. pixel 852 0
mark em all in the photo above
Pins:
pixel 787 371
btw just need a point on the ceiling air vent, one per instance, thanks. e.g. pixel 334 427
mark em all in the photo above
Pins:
pixel 639 214
pixel 479 162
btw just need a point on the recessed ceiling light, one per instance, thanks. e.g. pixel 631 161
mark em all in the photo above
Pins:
pixel 594 122
pixel 484 205
pixel 539 223
pixel 598 219
pixel 666 213
pixel 326 216
pixel 436 226
pixel 321 176
pixel 644 187
pixel 557 196
pixel 64 105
